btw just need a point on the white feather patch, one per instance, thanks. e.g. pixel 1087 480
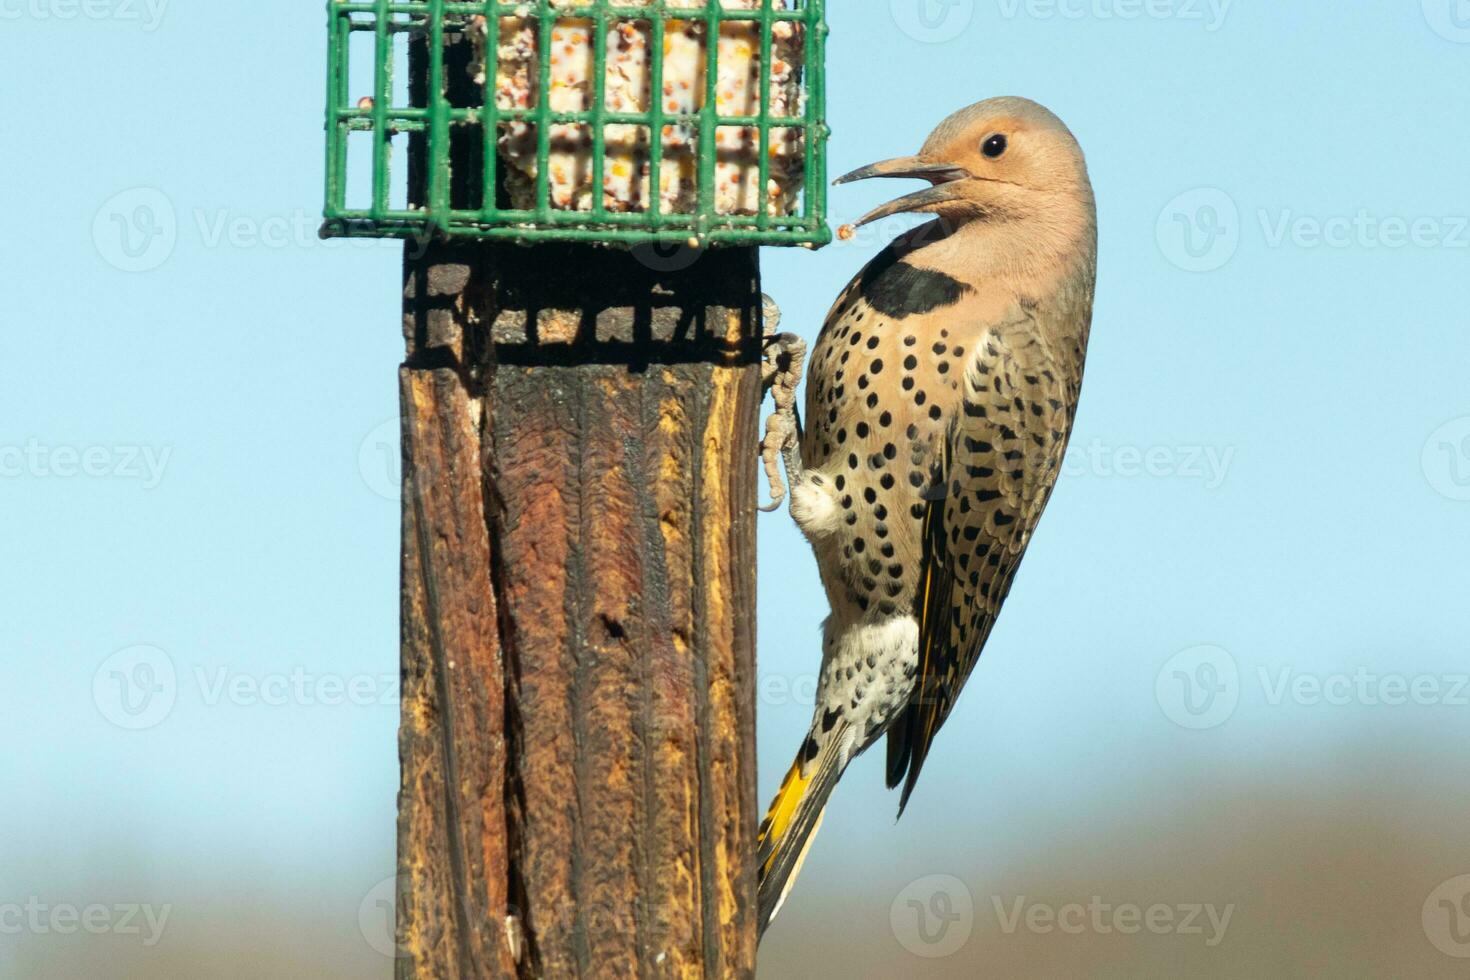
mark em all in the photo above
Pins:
pixel 814 506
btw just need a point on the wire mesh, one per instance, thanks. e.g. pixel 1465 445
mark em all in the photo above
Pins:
pixel 439 119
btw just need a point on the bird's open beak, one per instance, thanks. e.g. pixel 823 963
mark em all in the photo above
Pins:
pixel 914 168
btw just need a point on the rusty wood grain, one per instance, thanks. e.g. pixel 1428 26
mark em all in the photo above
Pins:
pixel 452 735
pixel 580 437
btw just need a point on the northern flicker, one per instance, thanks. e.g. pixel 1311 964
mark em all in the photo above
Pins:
pixel 941 396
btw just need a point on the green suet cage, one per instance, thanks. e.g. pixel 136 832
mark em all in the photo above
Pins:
pixel 578 120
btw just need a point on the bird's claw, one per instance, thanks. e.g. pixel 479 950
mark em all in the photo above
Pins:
pixel 779 441
pixel 782 366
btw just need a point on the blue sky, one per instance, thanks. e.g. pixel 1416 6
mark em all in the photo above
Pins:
pixel 1251 578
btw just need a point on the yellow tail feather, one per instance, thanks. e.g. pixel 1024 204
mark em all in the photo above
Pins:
pixel 779 816
pixel 792 823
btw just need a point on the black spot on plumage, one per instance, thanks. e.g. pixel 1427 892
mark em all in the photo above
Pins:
pixel 841 481
pixel 985 496
pixel 841 436
pixel 881 530
pixel 935 412
pixel 910 341
pixel 895 288
pixel 877 366
pixel 829 718
pixel 810 749
pixel 852 461
pixel 873 400
pixel 886 419
pixel 887 550
pixel 943 367
pixel 880 512
pixel 916 479
pixel 1002 519
pixel 887 608
pixel 887 481
pixel 917 510
pixel 908 384
pixel 862 430
pixel 870 495
pixel 863 382
pixel 910 362
pixel 921 398
pixel 872 343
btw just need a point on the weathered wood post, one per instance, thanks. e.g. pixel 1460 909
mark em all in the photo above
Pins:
pixel 577 742
pixel 579 496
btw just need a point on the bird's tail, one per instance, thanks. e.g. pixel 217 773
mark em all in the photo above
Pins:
pixel 794 818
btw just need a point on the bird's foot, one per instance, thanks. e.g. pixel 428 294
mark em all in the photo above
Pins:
pixel 783 363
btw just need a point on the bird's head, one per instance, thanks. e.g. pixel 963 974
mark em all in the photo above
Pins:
pixel 1001 159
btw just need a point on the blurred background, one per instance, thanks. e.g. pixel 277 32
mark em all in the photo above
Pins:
pixel 1220 730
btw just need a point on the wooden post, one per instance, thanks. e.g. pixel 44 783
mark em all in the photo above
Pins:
pixel 578 602
pixel 577 743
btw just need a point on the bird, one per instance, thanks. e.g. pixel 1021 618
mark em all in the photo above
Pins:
pixel 940 400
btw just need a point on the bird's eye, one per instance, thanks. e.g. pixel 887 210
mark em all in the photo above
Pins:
pixel 994 146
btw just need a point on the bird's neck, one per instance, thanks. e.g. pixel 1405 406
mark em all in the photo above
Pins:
pixel 1036 257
